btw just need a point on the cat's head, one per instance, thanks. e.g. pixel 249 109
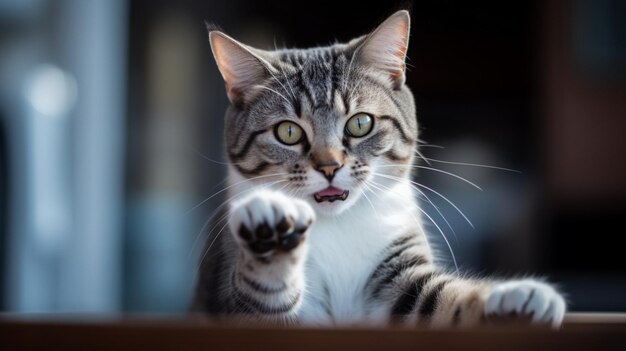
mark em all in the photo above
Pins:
pixel 324 124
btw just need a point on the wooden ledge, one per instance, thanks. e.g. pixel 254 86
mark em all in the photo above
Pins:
pixel 37 332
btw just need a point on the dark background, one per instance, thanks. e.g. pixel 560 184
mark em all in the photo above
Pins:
pixel 536 86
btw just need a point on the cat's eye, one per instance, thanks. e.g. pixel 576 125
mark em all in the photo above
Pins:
pixel 359 125
pixel 288 133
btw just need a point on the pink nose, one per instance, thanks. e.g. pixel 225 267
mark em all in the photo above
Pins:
pixel 328 169
pixel 327 162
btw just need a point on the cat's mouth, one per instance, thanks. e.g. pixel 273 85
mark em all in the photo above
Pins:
pixel 331 194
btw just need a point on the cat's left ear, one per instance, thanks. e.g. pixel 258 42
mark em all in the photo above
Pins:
pixel 240 65
pixel 385 48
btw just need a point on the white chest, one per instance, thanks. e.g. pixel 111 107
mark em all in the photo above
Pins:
pixel 343 252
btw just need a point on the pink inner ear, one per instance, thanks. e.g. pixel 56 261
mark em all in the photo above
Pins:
pixel 240 67
pixel 386 47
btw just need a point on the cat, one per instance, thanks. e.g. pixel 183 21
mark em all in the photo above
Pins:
pixel 323 226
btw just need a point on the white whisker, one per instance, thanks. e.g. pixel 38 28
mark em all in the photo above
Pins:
pixel 216 212
pixel 431 190
pixel 469 164
pixel 438 170
pixel 440 231
pixel 232 185
pixel 273 91
pixel 293 95
pixel 212 160
pixel 444 237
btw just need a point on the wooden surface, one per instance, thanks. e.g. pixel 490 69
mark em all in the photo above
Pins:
pixel 19 332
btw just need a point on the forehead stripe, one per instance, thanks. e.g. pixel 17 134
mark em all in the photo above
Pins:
pixel 396 123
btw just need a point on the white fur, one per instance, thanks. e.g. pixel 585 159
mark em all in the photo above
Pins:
pixel 545 305
pixel 341 251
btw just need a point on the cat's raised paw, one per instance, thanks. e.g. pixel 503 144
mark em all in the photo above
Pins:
pixel 268 222
pixel 525 300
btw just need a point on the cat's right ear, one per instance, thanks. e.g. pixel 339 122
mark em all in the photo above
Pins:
pixel 240 67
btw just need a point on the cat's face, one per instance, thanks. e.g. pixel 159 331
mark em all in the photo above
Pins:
pixel 328 125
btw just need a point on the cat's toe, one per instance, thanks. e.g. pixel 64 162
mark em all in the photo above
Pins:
pixel 526 300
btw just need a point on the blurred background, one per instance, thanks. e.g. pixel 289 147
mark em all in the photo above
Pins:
pixel 111 131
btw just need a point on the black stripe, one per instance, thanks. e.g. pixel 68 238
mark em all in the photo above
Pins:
pixel 530 297
pixel 400 242
pixel 403 243
pixel 258 287
pixel 326 304
pixel 297 106
pixel 456 318
pixel 384 264
pixel 429 303
pixel 306 147
pixel 403 240
pixel 384 282
pixel 396 253
pixel 248 301
pixel 416 261
pixel 398 126
pixel 248 144
pixel 302 87
pixel 254 171
pixel 406 302
pixel 346 102
pixel 346 142
pixel 333 89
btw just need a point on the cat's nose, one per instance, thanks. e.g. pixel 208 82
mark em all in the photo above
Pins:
pixel 328 169
pixel 327 163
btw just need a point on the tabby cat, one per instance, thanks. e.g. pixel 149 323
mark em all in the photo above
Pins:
pixel 323 226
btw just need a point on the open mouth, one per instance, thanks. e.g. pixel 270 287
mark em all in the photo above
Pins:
pixel 331 194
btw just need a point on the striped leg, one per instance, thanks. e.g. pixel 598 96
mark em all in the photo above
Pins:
pixel 413 292
pixel 268 278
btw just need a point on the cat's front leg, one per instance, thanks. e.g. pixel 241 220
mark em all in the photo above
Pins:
pixel 525 301
pixel 268 279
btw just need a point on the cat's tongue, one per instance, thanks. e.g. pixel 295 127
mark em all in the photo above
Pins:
pixel 330 191
pixel 331 194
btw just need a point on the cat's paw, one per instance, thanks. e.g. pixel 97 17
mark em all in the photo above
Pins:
pixel 268 223
pixel 527 301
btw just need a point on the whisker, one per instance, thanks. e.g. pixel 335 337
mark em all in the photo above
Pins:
pixel 439 229
pixel 434 206
pixel 372 205
pixel 225 216
pixel 469 164
pixel 273 91
pixel 293 95
pixel 210 246
pixel 442 234
pixel 423 158
pixel 456 238
pixel 216 212
pixel 437 170
pixel 212 160
pixel 431 190
pixel 456 266
pixel 232 185
pixel 448 201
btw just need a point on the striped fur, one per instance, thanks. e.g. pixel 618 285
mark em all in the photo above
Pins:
pixel 284 257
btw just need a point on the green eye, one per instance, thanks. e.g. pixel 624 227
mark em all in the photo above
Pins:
pixel 359 125
pixel 288 133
